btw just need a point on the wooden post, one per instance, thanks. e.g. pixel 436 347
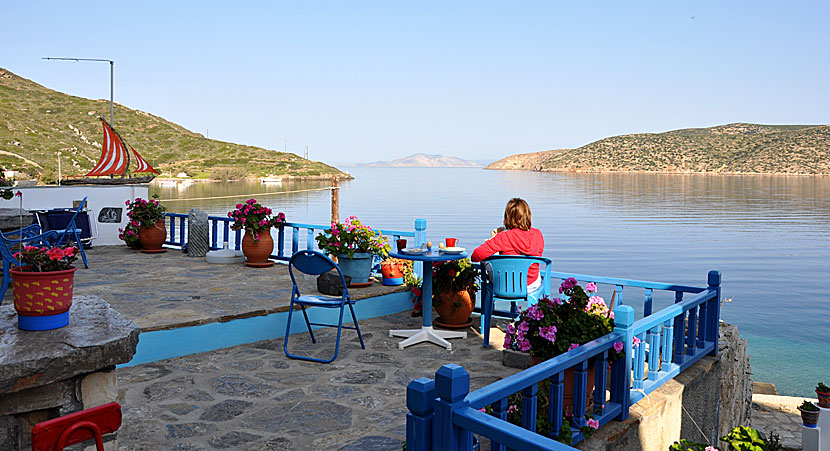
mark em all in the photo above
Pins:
pixel 335 200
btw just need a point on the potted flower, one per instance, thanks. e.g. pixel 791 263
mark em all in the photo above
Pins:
pixel 394 270
pixel 823 393
pixel 354 244
pixel 148 217
pixel 256 220
pixel 555 326
pixel 43 286
pixel 454 287
pixel 129 235
pixel 809 414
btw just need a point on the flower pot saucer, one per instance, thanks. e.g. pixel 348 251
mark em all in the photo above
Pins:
pixel 360 284
pixel 260 265
pixel 154 251
pixel 438 322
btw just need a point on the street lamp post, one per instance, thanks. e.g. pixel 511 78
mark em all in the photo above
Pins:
pixel 112 71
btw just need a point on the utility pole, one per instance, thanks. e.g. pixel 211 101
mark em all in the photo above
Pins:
pixel 285 148
pixel 112 72
pixel 306 152
pixel 59 168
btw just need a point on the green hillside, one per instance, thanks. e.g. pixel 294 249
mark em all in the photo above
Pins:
pixel 36 123
pixel 732 148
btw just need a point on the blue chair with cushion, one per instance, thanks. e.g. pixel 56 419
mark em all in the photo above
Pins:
pixel 73 231
pixel 504 278
pixel 314 263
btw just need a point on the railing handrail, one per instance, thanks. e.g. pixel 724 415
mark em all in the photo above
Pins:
pixel 627 282
pixel 537 373
pixel 672 311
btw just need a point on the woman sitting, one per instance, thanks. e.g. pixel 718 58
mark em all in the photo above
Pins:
pixel 517 238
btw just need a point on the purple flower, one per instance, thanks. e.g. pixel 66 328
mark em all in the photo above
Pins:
pixel 524 326
pixel 548 333
pixel 524 345
pixel 534 312
pixel 593 423
pixel 618 346
pixel 591 286
pixel 573 346
pixel 511 329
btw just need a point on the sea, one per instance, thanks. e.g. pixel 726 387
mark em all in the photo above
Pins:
pixel 768 235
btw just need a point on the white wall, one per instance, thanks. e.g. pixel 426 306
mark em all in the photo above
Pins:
pixel 98 197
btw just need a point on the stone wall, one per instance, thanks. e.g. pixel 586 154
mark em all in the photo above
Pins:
pixel 701 404
pixel 47 374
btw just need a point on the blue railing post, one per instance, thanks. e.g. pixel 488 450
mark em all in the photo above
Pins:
pixel 281 241
pixel 679 331
pixel 621 369
pixel 713 323
pixel 420 397
pixel 452 384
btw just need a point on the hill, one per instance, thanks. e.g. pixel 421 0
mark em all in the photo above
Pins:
pixel 423 160
pixel 728 149
pixel 37 122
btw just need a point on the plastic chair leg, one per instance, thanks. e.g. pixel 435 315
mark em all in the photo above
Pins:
pixel 80 247
pixel 308 324
pixel 486 317
pixel 7 278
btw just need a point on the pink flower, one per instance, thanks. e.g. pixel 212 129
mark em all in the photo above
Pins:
pixel 636 341
pixel 593 423
pixel 238 206
pixel 483 409
pixel 18 194
pixel 591 286
pixel 618 346
pixel 711 448
pixel 127 203
pixel 573 346
pixel 548 333
pixel 512 408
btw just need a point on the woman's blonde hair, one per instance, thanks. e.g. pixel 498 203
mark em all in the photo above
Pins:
pixel 517 214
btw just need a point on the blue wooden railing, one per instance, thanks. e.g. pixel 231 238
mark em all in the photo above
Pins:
pixel 444 415
pixel 220 227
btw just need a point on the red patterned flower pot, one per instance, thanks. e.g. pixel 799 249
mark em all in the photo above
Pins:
pixel 823 399
pixel 42 299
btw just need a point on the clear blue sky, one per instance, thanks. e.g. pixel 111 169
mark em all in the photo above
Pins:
pixel 363 81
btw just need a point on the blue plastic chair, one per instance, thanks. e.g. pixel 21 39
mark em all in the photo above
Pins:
pixel 72 230
pixel 29 235
pixel 507 281
pixel 315 263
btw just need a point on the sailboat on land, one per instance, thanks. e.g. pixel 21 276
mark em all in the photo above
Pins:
pixel 114 161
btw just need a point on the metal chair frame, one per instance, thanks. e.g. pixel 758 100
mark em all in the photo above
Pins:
pixel 29 235
pixel 315 263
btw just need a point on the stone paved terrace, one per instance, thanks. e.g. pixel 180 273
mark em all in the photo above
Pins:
pixel 252 397
pixel 171 290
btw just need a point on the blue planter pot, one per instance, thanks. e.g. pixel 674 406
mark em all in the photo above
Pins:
pixel 358 267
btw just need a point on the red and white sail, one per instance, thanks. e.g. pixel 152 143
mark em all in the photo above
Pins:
pixel 113 156
pixel 142 164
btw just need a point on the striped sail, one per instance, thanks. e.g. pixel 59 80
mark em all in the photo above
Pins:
pixel 113 155
pixel 142 164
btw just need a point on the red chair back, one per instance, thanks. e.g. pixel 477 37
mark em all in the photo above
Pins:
pixel 54 435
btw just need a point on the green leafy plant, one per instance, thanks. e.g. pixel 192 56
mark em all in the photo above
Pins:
pixel 144 213
pixel 743 438
pixel 351 237
pixel 807 406
pixel 554 326
pixel 455 276
pixel 686 445
pixel 822 388
pixel 46 259
pixel 129 235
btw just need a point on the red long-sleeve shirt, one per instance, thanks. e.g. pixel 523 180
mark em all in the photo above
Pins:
pixel 514 242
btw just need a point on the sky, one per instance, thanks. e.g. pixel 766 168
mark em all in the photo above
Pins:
pixel 367 81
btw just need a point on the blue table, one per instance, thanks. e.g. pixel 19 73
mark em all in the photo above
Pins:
pixel 426 332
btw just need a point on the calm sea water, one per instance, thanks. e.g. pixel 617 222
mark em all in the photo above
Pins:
pixel 768 235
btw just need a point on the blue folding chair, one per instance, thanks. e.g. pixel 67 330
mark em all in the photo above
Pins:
pixel 72 230
pixel 504 278
pixel 29 235
pixel 315 263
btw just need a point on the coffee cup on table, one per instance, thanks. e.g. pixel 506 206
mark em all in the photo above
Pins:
pixel 401 244
pixel 451 242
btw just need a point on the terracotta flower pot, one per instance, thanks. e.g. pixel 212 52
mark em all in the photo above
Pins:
pixel 454 307
pixel 257 251
pixel 568 384
pixel 42 299
pixel 152 237
pixel 823 399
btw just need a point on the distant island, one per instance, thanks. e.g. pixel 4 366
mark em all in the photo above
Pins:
pixel 38 122
pixel 423 160
pixel 725 149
